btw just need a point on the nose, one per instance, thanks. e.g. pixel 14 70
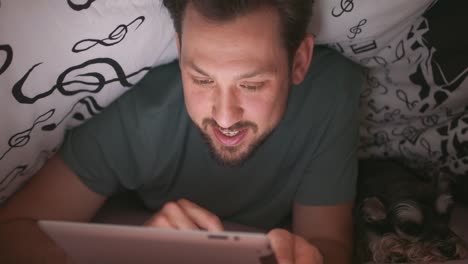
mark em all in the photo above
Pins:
pixel 226 109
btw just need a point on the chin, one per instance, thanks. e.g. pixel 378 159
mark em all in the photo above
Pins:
pixel 233 156
pixel 230 156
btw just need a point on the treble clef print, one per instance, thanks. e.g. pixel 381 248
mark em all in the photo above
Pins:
pixel 115 37
pixel 356 30
pixel 427 146
pixel 93 81
pixel 402 96
pixel 22 138
pixel 345 6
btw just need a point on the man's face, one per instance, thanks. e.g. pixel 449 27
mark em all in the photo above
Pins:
pixel 235 78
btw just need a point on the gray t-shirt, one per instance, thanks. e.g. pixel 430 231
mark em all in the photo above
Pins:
pixel 145 141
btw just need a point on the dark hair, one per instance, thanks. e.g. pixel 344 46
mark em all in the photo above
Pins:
pixel 294 15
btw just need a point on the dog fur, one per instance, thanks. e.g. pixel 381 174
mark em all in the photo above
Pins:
pixel 402 217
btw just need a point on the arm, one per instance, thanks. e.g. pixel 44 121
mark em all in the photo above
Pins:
pixel 329 182
pixel 329 228
pixel 55 193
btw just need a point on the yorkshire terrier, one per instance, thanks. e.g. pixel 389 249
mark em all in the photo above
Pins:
pixel 402 217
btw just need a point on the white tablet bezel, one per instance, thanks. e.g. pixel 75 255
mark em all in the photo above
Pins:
pixel 103 243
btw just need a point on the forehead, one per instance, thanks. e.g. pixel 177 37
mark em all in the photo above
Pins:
pixel 252 36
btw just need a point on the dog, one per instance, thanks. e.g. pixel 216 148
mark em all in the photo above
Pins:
pixel 402 217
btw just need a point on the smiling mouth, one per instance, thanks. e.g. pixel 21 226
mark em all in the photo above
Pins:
pixel 228 137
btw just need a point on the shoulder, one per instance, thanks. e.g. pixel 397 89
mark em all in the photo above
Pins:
pixel 162 86
pixel 154 109
pixel 331 72
pixel 332 85
pixel 157 100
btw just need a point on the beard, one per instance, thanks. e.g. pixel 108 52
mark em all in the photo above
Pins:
pixel 232 156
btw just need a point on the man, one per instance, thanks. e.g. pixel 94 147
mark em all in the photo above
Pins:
pixel 277 148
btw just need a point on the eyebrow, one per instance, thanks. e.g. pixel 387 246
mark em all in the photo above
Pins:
pixel 197 69
pixel 269 71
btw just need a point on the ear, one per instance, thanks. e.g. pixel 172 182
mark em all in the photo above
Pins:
pixel 302 58
pixel 373 210
pixel 178 44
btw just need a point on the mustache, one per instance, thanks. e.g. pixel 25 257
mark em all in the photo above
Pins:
pixel 237 126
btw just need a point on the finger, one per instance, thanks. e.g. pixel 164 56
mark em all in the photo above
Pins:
pixel 305 253
pixel 200 216
pixel 177 216
pixel 282 243
pixel 159 221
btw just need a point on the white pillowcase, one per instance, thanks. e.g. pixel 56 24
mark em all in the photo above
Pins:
pixel 61 62
pixel 414 102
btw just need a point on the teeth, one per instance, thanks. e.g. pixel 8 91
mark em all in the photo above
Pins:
pixel 229 133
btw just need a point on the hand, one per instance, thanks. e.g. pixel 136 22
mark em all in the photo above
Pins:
pixel 293 249
pixel 184 214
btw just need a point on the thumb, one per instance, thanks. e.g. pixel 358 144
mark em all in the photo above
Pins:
pixel 282 243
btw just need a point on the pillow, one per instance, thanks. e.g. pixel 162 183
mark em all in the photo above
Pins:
pixel 414 102
pixel 62 62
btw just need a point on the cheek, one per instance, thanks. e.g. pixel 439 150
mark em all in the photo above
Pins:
pixel 197 104
pixel 266 111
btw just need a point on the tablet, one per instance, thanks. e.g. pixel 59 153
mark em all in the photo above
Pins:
pixel 89 243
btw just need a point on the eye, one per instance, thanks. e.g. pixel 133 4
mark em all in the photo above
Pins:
pixel 202 82
pixel 251 86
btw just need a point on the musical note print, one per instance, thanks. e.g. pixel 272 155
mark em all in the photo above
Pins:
pixel 374 108
pixel 79 7
pixel 346 6
pixel 387 117
pixel 394 115
pixel 374 85
pixel 8 59
pixel 403 96
pixel 86 85
pixel 11 176
pixel 381 137
pixel 91 105
pixel 22 138
pixel 399 51
pixel 115 37
pixel 409 133
pixel 364 47
pixel 430 120
pixel 374 61
pixel 427 146
pixel 356 30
